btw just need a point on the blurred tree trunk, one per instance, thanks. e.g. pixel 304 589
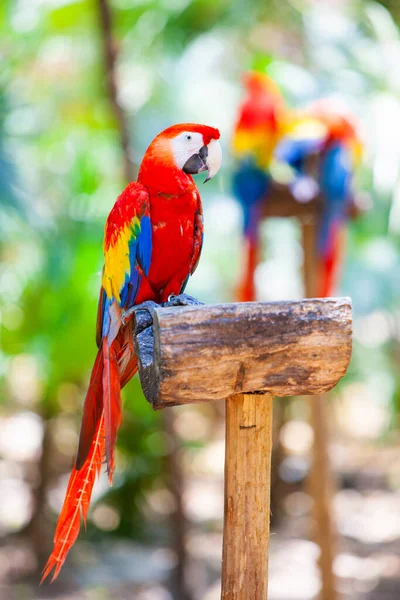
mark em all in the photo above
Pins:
pixel 321 478
pixel 110 58
pixel 38 529
pixel 38 532
pixel 175 484
pixel 277 485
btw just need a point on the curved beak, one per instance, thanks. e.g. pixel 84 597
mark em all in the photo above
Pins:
pixel 209 158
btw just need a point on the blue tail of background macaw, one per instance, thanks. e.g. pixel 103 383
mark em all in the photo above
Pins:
pixel 340 156
pixel 335 185
pixel 256 133
pixel 250 186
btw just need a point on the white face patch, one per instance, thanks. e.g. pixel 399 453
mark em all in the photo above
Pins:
pixel 185 145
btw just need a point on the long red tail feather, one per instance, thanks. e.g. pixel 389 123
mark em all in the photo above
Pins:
pixel 127 359
pixel 76 502
pixel 129 371
pixel 101 420
pixel 330 265
pixel 111 401
pixel 247 290
pixel 92 410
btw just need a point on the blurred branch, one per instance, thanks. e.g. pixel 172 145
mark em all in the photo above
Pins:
pixel 282 203
pixel 175 484
pixel 39 526
pixel 110 58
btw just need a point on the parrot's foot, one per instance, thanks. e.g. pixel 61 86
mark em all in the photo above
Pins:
pixel 143 336
pixel 182 300
pixel 143 313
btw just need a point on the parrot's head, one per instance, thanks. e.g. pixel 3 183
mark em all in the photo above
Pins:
pixel 189 147
pixel 341 125
pixel 336 117
pixel 260 84
pixel 260 118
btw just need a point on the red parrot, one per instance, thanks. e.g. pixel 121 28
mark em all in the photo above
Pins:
pixel 259 126
pixel 152 244
pixel 325 130
pixel 339 157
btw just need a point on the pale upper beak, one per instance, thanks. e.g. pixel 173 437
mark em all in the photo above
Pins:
pixel 209 158
pixel 214 159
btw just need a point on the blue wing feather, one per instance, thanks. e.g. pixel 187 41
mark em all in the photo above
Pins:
pixel 140 249
pixel 106 316
pixel 144 245
pixel 139 256
pixel 294 152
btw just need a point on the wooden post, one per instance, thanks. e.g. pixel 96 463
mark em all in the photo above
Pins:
pixel 247 353
pixel 247 496
pixel 281 203
pixel 321 478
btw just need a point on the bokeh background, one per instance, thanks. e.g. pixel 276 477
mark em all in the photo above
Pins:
pixel 62 164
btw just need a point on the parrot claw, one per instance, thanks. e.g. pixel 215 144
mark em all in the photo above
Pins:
pixel 143 314
pixel 182 300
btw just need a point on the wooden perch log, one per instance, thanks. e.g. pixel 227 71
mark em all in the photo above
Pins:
pixel 281 203
pixel 205 353
pixel 246 353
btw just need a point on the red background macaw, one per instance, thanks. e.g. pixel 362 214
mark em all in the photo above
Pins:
pixel 259 126
pixel 152 244
pixel 334 140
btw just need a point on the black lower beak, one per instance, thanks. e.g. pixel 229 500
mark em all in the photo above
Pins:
pixel 197 163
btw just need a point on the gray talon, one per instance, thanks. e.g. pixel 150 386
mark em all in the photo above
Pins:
pixel 182 300
pixel 126 314
pixel 148 306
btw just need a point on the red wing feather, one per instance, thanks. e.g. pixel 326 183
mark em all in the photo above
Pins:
pixel 198 235
pixel 127 360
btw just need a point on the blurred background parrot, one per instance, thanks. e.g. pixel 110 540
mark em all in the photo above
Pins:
pixel 259 126
pixel 152 244
pixel 324 139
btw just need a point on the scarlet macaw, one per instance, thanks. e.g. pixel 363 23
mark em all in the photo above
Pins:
pixel 152 244
pixel 334 140
pixel 258 129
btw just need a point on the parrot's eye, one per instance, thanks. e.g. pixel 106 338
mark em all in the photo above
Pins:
pixel 188 137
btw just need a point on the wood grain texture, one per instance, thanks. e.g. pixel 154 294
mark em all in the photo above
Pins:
pixel 247 496
pixel 200 354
